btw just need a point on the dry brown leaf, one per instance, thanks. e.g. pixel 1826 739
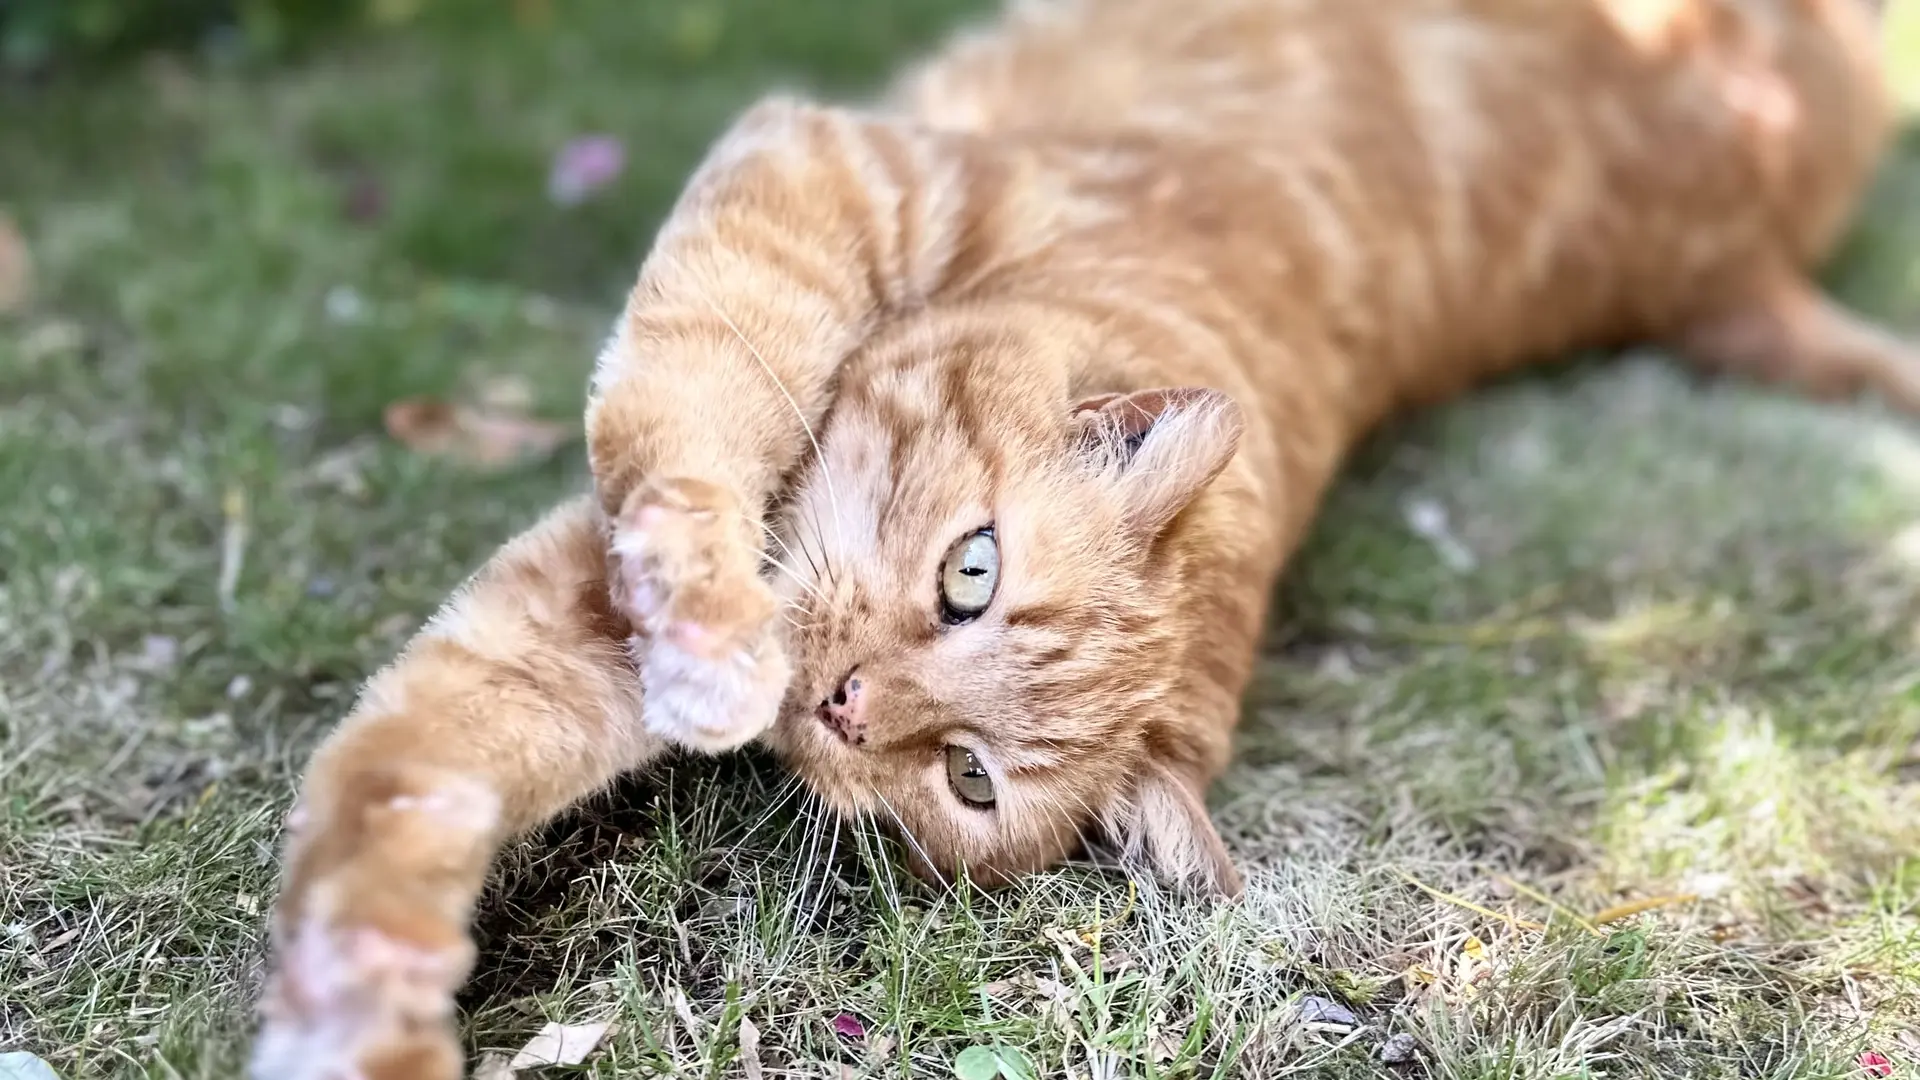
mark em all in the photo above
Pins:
pixel 16 268
pixel 481 437
pixel 559 1044
pixel 750 1050
pixel 682 1008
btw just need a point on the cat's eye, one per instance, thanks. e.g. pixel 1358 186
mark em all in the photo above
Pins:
pixel 969 778
pixel 969 576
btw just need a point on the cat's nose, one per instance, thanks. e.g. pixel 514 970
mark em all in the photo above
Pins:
pixel 845 712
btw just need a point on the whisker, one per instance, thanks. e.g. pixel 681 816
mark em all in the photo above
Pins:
pixel 877 865
pixel 826 884
pixel 786 793
pixel 774 536
pixel 813 512
pixel 805 426
pixel 789 571
pixel 807 863
pixel 787 511
pixel 912 840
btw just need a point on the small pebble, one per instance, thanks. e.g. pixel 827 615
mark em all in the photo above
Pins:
pixel 1399 1050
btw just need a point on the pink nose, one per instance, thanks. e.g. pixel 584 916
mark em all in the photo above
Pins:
pixel 845 712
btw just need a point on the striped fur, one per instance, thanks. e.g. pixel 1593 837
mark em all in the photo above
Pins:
pixel 1124 279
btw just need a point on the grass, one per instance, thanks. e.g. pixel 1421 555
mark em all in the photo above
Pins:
pixel 1677 664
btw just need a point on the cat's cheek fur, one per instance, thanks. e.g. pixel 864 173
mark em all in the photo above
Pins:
pixel 1163 823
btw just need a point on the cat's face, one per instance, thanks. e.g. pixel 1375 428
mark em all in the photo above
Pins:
pixel 977 605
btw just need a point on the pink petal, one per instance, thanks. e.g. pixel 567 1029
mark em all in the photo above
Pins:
pixel 850 1026
pixel 1876 1064
pixel 584 166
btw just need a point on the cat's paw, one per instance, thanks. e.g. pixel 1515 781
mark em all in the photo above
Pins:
pixel 357 1003
pixel 370 938
pixel 684 567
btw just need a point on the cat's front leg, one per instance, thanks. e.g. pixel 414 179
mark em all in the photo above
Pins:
pixel 684 566
pixel 785 250
pixel 517 700
pixel 370 936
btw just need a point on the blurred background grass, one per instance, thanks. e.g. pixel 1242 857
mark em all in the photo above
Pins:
pixel 252 226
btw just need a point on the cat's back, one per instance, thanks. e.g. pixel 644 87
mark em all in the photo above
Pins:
pixel 1465 80
pixel 1265 66
pixel 1466 165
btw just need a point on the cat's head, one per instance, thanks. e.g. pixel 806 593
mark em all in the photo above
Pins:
pixel 982 574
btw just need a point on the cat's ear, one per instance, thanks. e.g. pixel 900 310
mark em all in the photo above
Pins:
pixel 1159 447
pixel 1163 823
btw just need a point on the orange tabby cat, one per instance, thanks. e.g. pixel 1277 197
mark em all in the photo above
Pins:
pixel 955 446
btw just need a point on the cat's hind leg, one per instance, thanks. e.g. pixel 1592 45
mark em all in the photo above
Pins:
pixel 517 700
pixel 1787 331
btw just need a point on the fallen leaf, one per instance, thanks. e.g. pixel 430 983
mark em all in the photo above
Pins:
pixel 1475 949
pixel 493 1067
pixel 583 167
pixel 682 1008
pixel 849 1026
pixel 486 439
pixel 21 1065
pixel 1163 1047
pixel 1318 1010
pixel 1875 1063
pixel 977 1063
pixel 1013 1063
pixel 16 268
pixel 750 1050
pixel 559 1044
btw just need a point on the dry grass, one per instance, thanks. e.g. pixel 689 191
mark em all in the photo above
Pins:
pixel 1676 666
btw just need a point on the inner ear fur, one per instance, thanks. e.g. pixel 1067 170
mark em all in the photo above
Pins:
pixel 1159 447
pixel 1163 823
